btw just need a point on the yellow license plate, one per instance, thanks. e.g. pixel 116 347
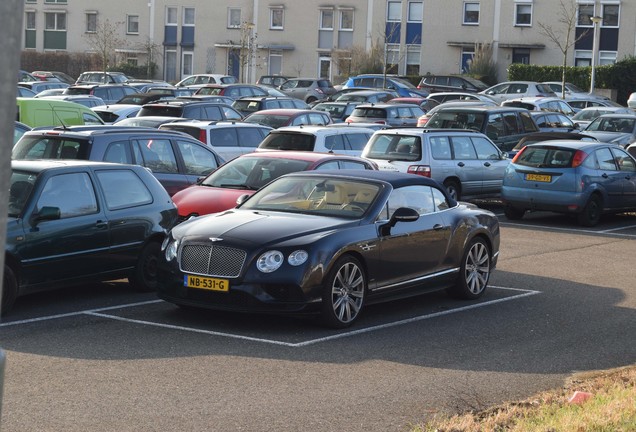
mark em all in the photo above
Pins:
pixel 206 283
pixel 539 177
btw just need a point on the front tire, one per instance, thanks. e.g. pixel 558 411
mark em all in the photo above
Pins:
pixel 343 293
pixel 9 290
pixel 144 277
pixel 474 272
pixel 591 214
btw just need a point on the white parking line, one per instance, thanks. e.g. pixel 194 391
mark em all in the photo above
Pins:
pixel 98 313
pixel 573 230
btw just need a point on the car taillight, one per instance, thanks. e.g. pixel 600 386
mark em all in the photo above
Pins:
pixel 514 159
pixel 578 158
pixel 203 136
pixel 421 122
pixel 422 170
pixel 380 122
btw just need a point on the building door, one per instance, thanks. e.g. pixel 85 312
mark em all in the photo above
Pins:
pixel 521 55
pixel 324 67
pixel 234 63
pixel 467 58
pixel 275 62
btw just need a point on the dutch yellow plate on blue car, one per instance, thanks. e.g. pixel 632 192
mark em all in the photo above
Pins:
pixel 539 177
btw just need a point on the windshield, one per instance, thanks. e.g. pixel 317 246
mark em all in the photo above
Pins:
pixel 288 141
pixel 612 124
pixel 19 191
pixel 205 91
pixel 271 120
pixel 252 173
pixel 394 147
pixel 316 196
pixel 546 157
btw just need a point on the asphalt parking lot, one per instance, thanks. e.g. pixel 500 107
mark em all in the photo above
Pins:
pixel 102 357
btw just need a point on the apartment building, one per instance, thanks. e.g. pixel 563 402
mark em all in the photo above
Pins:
pixel 249 38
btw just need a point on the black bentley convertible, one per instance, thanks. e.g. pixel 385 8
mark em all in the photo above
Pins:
pixel 330 242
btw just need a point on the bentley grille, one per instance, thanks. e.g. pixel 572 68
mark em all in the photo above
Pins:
pixel 212 260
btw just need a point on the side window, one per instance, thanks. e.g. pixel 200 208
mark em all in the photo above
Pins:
pixel 517 88
pixel 209 113
pixel 328 166
pixel 283 104
pixel 73 193
pixel 605 159
pixel 439 200
pixel 231 114
pixel 195 113
pixel 197 159
pixel 116 93
pixel 157 155
pixel 542 121
pixel 485 149
pixel 404 113
pixel 249 137
pixel 123 189
pixel 354 165
pixel 334 142
pixel 117 152
pixel 440 148
pixel 300 120
pixel 512 125
pixel 357 141
pixel 528 124
pixel 623 160
pixel 463 148
pixel 223 137
pixel 317 119
pixel 90 119
pixel 419 198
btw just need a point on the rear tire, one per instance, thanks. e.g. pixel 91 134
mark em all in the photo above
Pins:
pixel 513 213
pixel 591 214
pixel 9 290
pixel 454 189
pixel 144 277
pixel 474 271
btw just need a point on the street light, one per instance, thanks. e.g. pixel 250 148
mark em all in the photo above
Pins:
pixel 596 20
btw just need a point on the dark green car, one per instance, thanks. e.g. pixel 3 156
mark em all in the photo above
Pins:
pixel 72 222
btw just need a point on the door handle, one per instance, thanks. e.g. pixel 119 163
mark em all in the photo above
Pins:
pixel 438 227
pixel 604 175
pixel 101 224
pixel 461 164
pixel 487 164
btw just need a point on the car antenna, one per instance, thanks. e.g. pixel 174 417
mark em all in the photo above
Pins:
pixel 64 126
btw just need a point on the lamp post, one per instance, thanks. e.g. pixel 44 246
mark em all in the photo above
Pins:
pixel 596 20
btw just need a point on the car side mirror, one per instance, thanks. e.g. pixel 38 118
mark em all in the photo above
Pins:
pixel 402 214
pixel 240 200
pixel 46 213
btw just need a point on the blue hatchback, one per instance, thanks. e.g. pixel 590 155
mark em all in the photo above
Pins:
pixel 403 87
pixel 573 177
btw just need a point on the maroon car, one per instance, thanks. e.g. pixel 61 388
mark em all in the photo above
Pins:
pixel 276 118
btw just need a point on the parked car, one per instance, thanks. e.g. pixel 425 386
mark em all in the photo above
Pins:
pixel 115 112
pixel 53 76
pixel 577 178
pixel 339 140
pixel 36 112
pixel 516 89
pixel 143 98
pixel 367 96
pixel 387 113
pixel 147 121
pixel 617 129
pixel 110 93
pixel 248 173
pixel 423 120
pixel 172 91
pixel 177 160
pixel 443 97
pixel 39 86
pixel 73 222
pixel 89 101
pixel 144 85
pixel 339 111
pixel 228 139
pixel 451 83
pixel 190 109
pixel 25 92
pixel 276 118
pixel 541 104
pixel 425 103
pixel 102 77
pixel 309 242
pixel 307 89
pixel 585 116
pixel 585 102
pixel 548 136
pixel 571 91
pixel 19 130
pixel 234 91
pixel 553 122
pixel 272 80
pixel 631 100
pixel 249 105
pixel 504 126
pixel 199 80
pixel 332 97
pixel 24 76
pixel 402 86
pixel 467 163
pixel 208 98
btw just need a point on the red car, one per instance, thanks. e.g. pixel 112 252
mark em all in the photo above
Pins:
pixel 280 117
pixel 249 172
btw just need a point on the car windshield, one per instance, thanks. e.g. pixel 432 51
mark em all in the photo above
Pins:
pixel 612 124
pixel 205 91
pixel 252 173
pixel 271 120
pixel 394 147
pixel 456 120
pixel 315 196
pixel 21 186
pixel 247 105
pixel 288 141
pixel 539 156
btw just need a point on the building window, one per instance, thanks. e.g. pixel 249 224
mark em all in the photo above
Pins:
pixel 585 14
pixel 187 62
pixel 523 14
pixel 55 21
pixel 471 13
pixel 30 20
pixel 606 57
pixel 413 60
pixel 326 19
pixel 170 71
pixel 582 58
pixel 276 18
pixel 392 58
pixel 171 16
pixel 132 24
pixel 31 1
pixel 233 18
pixel 610 15
pixel 275 62
pixel 55 1
pixel 91 22
pixel 416 12
pixel 394 11
pixel 188 16
pixel 346 19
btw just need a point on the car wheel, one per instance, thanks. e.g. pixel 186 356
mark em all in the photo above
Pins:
pixel 9 289
pixel 513 213
pixel 144 277
pixel 343 293
pixel 453 188
pixel 474 272
pixel 311 99
pixel 591 213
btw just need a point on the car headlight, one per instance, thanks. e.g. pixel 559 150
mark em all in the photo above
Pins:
pixel 269 261
pixel 297 257
pixel 171 250
pixel 165 242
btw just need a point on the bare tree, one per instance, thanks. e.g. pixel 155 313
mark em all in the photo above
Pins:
pixel 563 33
pixel 105 40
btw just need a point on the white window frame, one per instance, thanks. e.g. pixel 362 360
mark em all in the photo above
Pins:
pixel 341 13
pixel 176 16
pixel 322 25
pixel 273 10
pixel 607 57
pixel 185 16
pixel 520 4
pixel 608 3
pixel 578 10
pixel 582 55
pixel 184 55
pixel 465 10
pixel 413 57
pixel 26 19
pixel 89 14
pixel 130 21
pixel 231 10
pixel 391 8
pixel 56 28
pixel 409 17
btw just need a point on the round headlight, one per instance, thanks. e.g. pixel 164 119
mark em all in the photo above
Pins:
pixel 269 261
pixel 297 257
pixel 171 250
